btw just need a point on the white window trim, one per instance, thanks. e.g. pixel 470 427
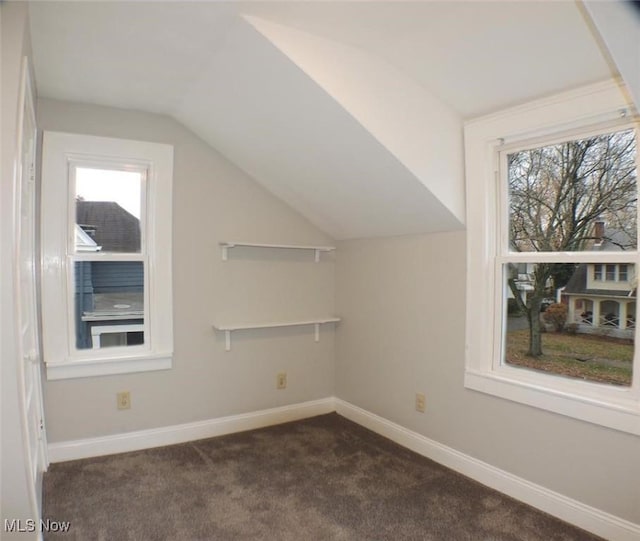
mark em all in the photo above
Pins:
pixel 614 407
pixel 62 359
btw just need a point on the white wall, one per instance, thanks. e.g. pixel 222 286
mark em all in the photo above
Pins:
pixel 213 201
pixel 403 304
pixel 14 497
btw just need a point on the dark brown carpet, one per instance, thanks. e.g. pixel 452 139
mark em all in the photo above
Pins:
pixel 323 478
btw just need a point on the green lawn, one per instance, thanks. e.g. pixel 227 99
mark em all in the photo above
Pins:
pixel 588 357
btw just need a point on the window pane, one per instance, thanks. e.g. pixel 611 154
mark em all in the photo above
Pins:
pixel 109 303
pixel 574 196
pixel 597 272
pixel 622 274
pixel 588 335
pixel 108 210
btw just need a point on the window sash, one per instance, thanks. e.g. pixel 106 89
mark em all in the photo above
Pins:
pixel 609 395
pixel 131 166
pixel 76 354
pixel 597 272
pixel 503 151
pixel 623 273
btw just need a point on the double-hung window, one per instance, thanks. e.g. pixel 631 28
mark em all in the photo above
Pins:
pixel 552 186
pixel 106 239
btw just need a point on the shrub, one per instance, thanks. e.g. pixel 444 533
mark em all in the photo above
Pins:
pixel 572 328
pixel 512 308
pixel 556 315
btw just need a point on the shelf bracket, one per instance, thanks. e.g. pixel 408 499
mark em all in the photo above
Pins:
pixel 225 252
pixel 317 326
pixel 227 340
pixel 317 258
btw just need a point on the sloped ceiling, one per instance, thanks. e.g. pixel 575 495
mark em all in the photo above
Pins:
pixel 349 111
pixel 618 24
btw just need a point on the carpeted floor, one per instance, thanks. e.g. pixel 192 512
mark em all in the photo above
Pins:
pixel 323 478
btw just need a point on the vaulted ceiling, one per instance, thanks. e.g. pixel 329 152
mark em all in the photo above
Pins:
pixel 351 112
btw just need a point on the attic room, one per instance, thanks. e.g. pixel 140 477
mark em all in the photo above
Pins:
pixel 317 234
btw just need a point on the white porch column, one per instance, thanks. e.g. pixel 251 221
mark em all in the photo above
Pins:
pixel 571 313
pixel 596 313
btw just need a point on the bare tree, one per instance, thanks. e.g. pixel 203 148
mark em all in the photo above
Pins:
pixel 556 195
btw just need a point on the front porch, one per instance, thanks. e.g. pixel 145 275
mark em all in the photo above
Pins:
pixel 608 316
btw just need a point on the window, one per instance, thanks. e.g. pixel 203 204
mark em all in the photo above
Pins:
pixel 108 288
pixel 553 185
pixel 614 273
pixel 106 232
pixel 623 273
pixel 597 272
pixel 552 192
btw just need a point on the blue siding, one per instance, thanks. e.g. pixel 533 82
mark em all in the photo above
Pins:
pixel 109 276
pixel 84 301
pixel 83 280
pixel 94 277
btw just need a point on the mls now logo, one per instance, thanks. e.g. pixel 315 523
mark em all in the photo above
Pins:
pixel 30 525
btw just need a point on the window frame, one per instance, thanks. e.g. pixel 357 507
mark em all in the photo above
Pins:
pixel 594 108
pixel 623 276
pixel 62 154
pixel 598 272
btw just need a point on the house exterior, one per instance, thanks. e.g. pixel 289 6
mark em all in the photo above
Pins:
pixel 109 294
pixel 601 297
pixel 109 225
pixel 524 281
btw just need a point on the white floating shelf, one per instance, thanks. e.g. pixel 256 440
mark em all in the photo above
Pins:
pixel 317 249
pixel 228 329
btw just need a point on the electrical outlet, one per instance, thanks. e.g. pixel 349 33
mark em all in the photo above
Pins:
pixel 124 400
pixel 281 380
pixel 420 402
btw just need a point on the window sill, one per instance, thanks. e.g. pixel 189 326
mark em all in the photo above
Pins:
pixel 109 366
pixel 622 413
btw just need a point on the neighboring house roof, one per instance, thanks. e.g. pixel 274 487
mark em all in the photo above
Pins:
pixel 109 225
pixel 615 240
pixel 612 241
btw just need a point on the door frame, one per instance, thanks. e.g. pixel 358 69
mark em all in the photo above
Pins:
pixel 28 360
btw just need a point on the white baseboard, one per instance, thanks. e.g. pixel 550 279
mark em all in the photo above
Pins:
pixel 169 435
pixel 571 511
pixel 567 509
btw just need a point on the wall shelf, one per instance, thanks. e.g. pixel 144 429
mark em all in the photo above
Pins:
pixel 228 329
pixel 317 249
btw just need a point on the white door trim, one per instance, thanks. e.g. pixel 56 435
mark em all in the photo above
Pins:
pixel 28 354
